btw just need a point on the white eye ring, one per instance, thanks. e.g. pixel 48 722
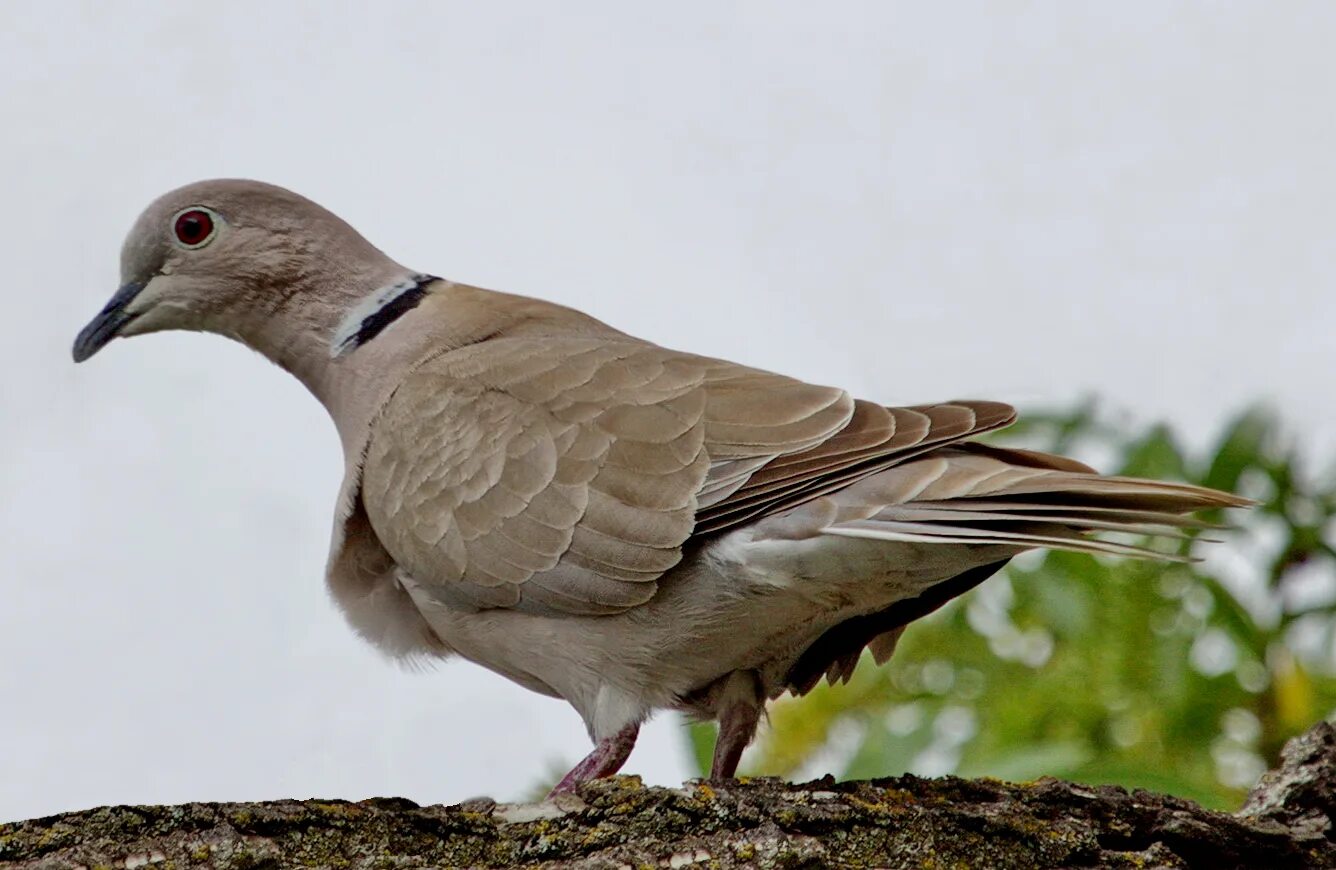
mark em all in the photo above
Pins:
pixel 194 227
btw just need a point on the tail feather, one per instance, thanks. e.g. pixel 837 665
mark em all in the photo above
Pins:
pixel 976 494
pixel 1049 511
pixel 1095 522
pixel 1057 538
pixel 1024 499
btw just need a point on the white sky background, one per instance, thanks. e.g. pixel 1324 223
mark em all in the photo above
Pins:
pixel 1023 201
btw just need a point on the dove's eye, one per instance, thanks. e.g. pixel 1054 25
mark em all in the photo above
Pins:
pixel 194 227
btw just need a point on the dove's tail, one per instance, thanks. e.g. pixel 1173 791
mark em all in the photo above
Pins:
pixel 978 494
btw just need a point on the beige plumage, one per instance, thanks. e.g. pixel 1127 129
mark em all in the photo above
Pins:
pixel 598 518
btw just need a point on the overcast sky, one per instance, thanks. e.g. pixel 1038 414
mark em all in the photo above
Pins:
pixel 1023 201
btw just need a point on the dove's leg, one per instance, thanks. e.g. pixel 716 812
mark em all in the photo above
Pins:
pixel 606 759
pixel 738 710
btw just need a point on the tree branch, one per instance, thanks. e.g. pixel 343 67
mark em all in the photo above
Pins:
pixel 900 822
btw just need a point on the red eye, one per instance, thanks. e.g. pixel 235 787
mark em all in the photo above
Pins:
pixel 193 227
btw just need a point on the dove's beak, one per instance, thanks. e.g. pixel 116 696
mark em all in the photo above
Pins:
pixel 107 324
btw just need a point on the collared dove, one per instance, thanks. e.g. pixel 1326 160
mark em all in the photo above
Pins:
pixel 598 518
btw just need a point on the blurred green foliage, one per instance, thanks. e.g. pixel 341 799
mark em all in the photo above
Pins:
pixel 1182 678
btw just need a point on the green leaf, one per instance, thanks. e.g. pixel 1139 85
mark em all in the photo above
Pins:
pixel 1240 448
pixel 1156 456
pixel 1027 761
pixel 701 737
pixel 885 754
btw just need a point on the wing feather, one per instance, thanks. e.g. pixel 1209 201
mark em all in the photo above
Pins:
pixel 567 473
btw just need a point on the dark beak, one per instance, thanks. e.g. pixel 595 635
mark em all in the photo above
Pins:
pixel 107 324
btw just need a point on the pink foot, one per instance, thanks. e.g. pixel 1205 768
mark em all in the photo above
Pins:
pixel 606 759
pixel 739 710
pixel 736 729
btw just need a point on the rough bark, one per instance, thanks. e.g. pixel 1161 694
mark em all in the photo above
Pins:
pixel 900 822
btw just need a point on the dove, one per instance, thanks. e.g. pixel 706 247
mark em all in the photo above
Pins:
pixel 600 519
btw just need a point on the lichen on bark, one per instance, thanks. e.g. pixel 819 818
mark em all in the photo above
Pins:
pixel 897 822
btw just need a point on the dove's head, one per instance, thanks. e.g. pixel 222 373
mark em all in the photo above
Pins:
pixel 243 259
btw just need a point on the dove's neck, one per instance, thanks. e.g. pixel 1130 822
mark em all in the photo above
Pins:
pixel 352 344
pixel 334 332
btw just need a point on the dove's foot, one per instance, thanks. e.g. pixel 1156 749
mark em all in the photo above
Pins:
pixel 739 709
pixel 606 759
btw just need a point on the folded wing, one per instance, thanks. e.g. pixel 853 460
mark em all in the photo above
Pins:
pixel 565 474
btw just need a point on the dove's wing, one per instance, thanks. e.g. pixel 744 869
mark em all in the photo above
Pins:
pixel 567 473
